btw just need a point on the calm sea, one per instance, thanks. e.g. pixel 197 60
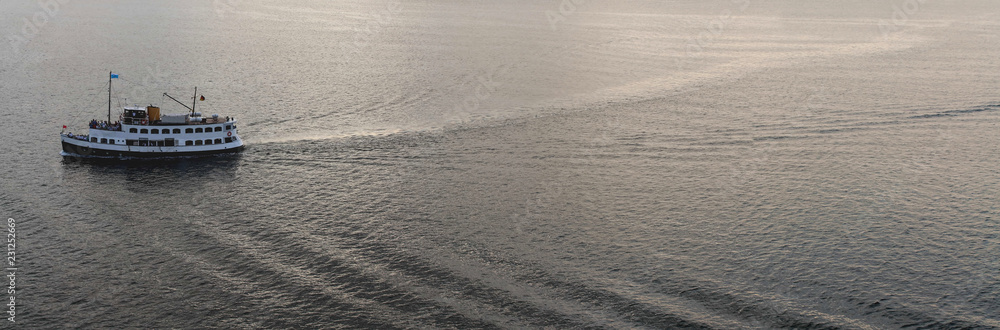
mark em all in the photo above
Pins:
pixel 512 164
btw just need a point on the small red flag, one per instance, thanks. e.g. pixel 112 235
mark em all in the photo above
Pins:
pixel 64 126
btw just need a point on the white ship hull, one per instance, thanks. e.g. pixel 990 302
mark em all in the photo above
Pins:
pixel 77 147
pixel 137 141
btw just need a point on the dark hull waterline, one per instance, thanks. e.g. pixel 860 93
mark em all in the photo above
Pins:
pixel 80 151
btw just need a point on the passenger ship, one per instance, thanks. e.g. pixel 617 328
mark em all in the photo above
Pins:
pixel 144 132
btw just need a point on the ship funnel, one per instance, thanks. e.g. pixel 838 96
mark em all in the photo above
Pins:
pixel 154 113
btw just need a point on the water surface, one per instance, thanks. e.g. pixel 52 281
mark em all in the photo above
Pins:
pixel 444 164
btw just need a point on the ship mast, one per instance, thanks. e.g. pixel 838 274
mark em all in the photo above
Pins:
pixel 195 98
pixel 109 96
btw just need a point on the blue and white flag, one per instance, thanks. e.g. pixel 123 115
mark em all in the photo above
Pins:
pixel 114 75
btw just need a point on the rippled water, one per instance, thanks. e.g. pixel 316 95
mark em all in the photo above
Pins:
pixel 448 164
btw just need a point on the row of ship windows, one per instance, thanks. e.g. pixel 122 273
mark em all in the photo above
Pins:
pixel 165 143
pixel 178 130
